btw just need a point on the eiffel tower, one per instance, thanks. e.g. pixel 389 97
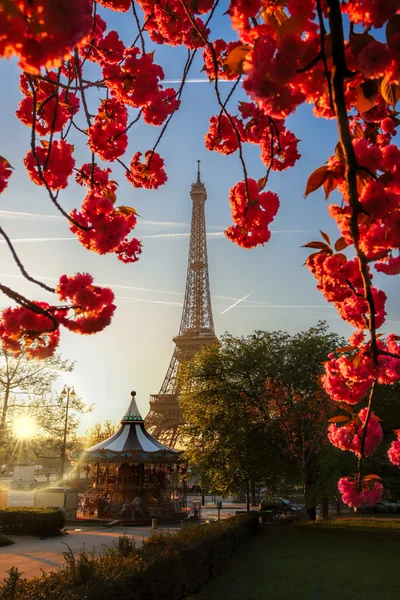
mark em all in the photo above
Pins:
pixel 196 330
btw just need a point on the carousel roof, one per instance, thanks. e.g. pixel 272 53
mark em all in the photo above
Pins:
pixel 132 439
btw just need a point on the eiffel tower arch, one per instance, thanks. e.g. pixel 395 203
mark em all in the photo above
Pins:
pixel 196 329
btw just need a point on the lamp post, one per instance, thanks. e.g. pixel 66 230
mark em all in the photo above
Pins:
pixel 67 392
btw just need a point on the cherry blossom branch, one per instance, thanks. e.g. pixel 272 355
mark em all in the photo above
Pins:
pixel 218 95
pixel 25 303
pixel 21 266
pixel 80 85
pixel 339 72
pixel 140 34
pixel 323 55
pixel 53 197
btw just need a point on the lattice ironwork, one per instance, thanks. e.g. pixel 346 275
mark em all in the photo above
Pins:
pixel 196 329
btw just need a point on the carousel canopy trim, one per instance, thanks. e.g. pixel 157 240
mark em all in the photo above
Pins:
pixel 131 436
pixel 133 413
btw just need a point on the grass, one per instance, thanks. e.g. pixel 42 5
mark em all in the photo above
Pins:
pixel 5 541
pixel 345 560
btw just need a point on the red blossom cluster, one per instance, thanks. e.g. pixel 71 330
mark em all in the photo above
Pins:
pixel 36 330
pixel 379 221
pixel 52 109
pixel 370 491
pixel 117 5
pixel 340 282
pixel 107 136
pixel 92 306
pixel 168 21
pixel 43 32
pixel 51 164
pixel 5 173
pixel 100 226
pixel 252 212
pixel 25 329
pixel 348 378
pixel 162 105
pixel 394 450
pixel 350 435
pixel 224 134
pixel 135 81
pixel 222 50
pixel 149 174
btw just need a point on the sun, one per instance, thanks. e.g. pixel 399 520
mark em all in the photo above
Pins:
pixel 24 427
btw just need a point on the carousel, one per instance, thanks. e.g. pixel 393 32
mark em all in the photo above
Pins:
pixel 133 477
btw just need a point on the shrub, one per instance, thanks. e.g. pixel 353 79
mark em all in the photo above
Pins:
pixel 32 521
pixel 166 567
pixel 4 541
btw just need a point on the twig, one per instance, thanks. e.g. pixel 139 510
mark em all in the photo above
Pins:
pixel 323 54
pixel 21 266
pixel 138 26
pixel 217 92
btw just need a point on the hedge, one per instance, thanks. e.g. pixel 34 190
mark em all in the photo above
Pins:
pixel 32 521
pixel 166 567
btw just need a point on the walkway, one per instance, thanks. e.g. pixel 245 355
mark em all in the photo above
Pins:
pixel 33 555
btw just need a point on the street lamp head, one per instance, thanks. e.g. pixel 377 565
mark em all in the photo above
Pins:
pixel 72 393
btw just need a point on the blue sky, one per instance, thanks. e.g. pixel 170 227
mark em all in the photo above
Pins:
pixel 134 352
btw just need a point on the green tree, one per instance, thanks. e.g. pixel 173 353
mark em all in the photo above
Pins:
pixel 231 434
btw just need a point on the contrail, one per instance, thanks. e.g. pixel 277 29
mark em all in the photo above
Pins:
pixel 136 289
pixel 202 80
pixel 179 236
pixel 10 214
pixel 236 303
pixel 34 240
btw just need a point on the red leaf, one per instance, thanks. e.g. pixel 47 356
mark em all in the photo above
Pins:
pixel 345 349
pixel 326 237
pixel 371 477
pixel 318 246
pixel 236 57
pixel 330 184
pixel 339 419
pixel 5 162
pixel 358 131
pixel 390 90
pixel 315 180
pixel 262 183
pixel 363 102
pixel 340 244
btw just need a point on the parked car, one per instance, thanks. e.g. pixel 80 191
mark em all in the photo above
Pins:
pixel 383 507
pixel 279 505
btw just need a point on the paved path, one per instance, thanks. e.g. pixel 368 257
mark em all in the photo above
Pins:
pixel 32 555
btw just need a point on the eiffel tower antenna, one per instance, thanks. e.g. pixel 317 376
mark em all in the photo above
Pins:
pixel 196 329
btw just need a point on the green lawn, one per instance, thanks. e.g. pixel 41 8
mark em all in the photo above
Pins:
pixel 342 561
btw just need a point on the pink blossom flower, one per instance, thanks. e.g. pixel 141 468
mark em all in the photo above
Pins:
pixel 369 493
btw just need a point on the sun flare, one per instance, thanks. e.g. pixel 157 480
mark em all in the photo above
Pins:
pixel 24 427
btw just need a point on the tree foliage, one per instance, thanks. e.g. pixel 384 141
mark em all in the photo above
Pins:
pixel 99 432
pixel 24 384
pixel 255 408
